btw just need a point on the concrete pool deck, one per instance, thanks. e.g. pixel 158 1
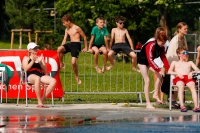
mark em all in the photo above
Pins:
pixel 87 117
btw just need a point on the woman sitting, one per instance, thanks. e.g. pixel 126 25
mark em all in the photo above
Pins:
pixel 35 67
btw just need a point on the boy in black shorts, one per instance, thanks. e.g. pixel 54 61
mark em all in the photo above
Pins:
pixel 74 46
pixel 118 35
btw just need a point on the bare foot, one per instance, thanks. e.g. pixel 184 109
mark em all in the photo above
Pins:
pixel 150 106
pixel 98 70
pixel 157 98
pixel 135 69
pixel 103 69
pixel 110 67
pixel 78 81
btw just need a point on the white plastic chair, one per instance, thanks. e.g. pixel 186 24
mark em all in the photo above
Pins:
pixel 2 70
pixel 172 88
pixel 24 80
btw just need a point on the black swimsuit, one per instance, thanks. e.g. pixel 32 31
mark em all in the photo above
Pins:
pixel 35 69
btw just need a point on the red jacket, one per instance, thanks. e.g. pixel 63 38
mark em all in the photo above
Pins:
pixel 153 50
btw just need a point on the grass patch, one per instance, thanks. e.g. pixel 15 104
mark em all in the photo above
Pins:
pixel 120 79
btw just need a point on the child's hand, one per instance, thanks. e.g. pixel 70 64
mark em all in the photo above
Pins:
pixel 84 50
pixel 190 75
pixel 162 74
pixel 91 51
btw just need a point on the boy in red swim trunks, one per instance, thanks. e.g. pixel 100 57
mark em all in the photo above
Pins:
pixel 182 70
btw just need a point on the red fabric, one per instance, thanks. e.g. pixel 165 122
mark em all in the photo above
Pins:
pixel 150 48
pixel 13 59
pixel 185 80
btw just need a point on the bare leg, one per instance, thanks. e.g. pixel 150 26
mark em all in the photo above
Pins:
pixel 191 85
pixel 156 85
pixel 180 85
pixel 105 58
pixel 144 72
pixel 134 61
pixel 75 68
pixel 160 93
pixel 110 58
pixel 96 57
pixel 34 79
pixel 51 82
pixel 61 51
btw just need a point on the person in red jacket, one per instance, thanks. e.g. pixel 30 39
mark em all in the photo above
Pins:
pixel 149 52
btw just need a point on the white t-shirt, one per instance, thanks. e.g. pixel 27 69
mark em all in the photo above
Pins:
pixel 158 61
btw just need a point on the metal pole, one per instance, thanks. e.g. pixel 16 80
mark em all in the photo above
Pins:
pixel 54 16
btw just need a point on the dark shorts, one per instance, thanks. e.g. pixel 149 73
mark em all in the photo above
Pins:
pixel 185 80
pixel 142 58
pixel 36 73
pixel 73 47
pixel 98 46
pixel 117 47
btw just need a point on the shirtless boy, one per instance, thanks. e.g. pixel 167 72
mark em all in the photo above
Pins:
pixel 182 70
pixel 118 37
pixel 99 43
pixel 74 32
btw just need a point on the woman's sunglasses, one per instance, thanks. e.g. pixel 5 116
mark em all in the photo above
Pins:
pixel 185 52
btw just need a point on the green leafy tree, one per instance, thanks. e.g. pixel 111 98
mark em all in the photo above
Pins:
pixel 20 12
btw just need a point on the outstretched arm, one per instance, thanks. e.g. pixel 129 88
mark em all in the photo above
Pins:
pixel 171 69
pixel 112 37
pixel 91 42
pixel 198 56
pixel 129 39
pixel 194 67
pixel 106 42
pixel 65 37
pixel 84 38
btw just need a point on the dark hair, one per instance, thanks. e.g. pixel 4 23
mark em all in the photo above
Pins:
pixel 99 18
pixel 119 18
pixel 179 49
pixel 67 17
pixel 160 34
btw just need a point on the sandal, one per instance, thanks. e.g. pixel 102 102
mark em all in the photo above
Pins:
pixel 183 109
pixel 175 105
pixel 196 109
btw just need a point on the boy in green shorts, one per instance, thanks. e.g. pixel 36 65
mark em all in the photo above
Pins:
pixel 99 43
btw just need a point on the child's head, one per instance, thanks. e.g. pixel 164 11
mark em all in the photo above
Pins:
pixel 120 21
pixel 160 36
pixel 47 47
pixel 66 20
pixel 182 28
pixel 182 52
pixel 100 22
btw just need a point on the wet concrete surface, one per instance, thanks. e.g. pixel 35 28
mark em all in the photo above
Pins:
pixel 96 118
